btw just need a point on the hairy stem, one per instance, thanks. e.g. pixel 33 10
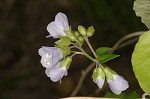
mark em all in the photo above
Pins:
pixel 90 46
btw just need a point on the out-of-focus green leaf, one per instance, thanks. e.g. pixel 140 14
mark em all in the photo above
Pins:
pixel 112 95
pixel 141 61
pixel 132 95
pixel 106 57
pixel 102 50
pixel 142 9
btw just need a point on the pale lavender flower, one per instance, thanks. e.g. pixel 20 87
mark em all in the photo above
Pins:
pixel 57 72
pixel 100 82
pixel 117 84
pixel 50 56
pixel 57 27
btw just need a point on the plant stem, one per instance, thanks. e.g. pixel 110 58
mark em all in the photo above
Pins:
pixel 75 53
pixel 91 66
pixel 84 53
pixel 83 75
pixel 90 46
pixel 116 45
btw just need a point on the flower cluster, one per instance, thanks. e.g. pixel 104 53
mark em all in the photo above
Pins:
pixel 116 82
pixel 57 59
pixel 52 58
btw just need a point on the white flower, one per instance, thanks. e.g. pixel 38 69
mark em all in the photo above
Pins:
pixel 100 82
pixel 117 84
pixel 50 56
pixel 57 72
pixel 57 27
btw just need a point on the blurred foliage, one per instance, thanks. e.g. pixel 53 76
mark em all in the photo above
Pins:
pixel 23 30
pixel 132 95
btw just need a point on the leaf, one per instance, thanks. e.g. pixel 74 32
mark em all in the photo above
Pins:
pixel 132 95
pixel 112 95
pixel 63 41
pixel 106 57
pixel 142 9
pixel 102 50
pixel 141 61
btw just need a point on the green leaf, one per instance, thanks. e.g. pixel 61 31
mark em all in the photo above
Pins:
pixel 63 41
pixel 106 57
pixel 102 50
pixel 142 9
pixel 141 61
pixel 132 95
pixel 112 95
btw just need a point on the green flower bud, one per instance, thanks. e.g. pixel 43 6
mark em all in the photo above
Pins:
pixel 70 35
pixel 80 40
pixel 66 62
pixel 90 31
pixel 66 51
pixel 82 30
pixel 109 73
pixel 76 34
pixel 98 72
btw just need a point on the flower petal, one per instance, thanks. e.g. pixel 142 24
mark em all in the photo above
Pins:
pixel 100 82
pixel 62 21
pixel 50 56
pixel 112 87
pixel 56 73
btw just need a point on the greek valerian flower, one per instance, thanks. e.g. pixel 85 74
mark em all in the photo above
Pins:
pixel 116 82
pixel 59 70
pixel 50 56
pixel 57 27
pixel 56 72
pixel 98 77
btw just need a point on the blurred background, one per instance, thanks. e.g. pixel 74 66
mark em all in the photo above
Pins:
pixel 23 30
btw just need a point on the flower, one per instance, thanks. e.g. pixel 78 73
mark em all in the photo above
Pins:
pixel 57 27
pixel 117 84
pixel 98 77
pixel 100 82
pixel 59 70
pixel 50 56
pixel 56 73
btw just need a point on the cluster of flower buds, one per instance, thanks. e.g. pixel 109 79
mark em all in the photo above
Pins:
pixel 57 59
pixel 116 82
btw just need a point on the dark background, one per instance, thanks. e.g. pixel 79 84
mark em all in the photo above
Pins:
pixel 23 30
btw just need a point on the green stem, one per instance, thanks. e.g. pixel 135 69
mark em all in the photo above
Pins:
pixel 90 46
pixel 84 53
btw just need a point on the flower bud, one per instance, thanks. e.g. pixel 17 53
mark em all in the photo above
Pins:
pixel 66 51
pixel 90 31
pixel 66 62
pixel 76 34
pixel 82 30
pixel 98 77
pixel 109 72
pixel 80 40
pixel 70 35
